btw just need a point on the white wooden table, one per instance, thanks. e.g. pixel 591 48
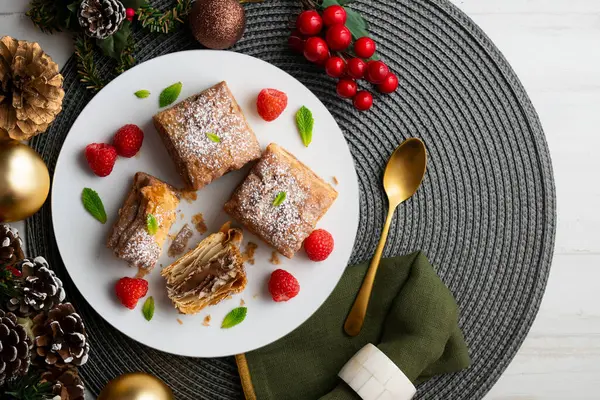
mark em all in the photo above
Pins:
pixel 554 46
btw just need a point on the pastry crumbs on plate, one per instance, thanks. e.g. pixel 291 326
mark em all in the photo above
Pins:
pixel 181 216
pixel 255 296
pixel 198 221
pixel 228 297
pixel 335 180
pixel 275 258
pixel 248 254
pixel 189 195
pixel 206 321
pixel 179 321
pixel 242 302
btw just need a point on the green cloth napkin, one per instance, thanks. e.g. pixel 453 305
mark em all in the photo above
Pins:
pixel 412 318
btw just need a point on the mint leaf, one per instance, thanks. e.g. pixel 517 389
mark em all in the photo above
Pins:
pixel 235 316
pixel 93 204
pixel 170 94
pixel 305 122
pixel 114 45
pixel 142 94
pixel 280 198
pixel 148 308
pixel 213 137
pixel 151 224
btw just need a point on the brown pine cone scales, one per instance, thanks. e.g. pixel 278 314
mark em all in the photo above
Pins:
pixel 60 337
pixel 15 348
pixel 66 383
pixel 11 246
pixel 40 289
pixel 31 92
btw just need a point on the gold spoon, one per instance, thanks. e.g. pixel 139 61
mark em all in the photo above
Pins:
pixel 402 177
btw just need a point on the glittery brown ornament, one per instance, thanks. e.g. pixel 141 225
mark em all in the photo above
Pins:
pixel 217 24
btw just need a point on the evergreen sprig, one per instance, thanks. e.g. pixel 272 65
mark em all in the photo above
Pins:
pixel 44 15
pixel 28 387
pixel 86 67
pixel 156 20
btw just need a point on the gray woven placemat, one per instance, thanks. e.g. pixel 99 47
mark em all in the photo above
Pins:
pixel 485 215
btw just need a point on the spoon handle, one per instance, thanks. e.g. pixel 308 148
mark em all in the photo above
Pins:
pixel 356 317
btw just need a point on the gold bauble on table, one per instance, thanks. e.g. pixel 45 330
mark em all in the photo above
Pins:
pixel 136 386
pixel 24 181
pixel 217 24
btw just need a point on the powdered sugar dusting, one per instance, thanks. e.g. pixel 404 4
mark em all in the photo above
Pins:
pixel 141 250
pixel 212 112
pixel 283 226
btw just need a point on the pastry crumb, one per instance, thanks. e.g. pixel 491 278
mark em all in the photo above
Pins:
pixel 180 242
pixel 206 321
pixel 255 296
pixel 199 224
pixel 228 297
pixel 181 216
pixel 275 258
pixel 335 180
pixel 242 302
pixel 248 254
pixel 189 196
pixel 179 321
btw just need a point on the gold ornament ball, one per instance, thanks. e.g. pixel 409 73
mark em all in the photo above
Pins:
pixel 24 181
pixel 136 386
pixel 217 24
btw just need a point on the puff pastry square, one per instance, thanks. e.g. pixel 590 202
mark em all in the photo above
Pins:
pixel 207 136
pixel 129 238
pixel 208 274
pixel 283 226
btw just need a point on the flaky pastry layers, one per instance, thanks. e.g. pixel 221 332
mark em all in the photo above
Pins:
pixel 129 237
pixel 207 274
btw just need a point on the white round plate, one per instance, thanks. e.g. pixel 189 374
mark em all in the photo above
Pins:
pixel 81 239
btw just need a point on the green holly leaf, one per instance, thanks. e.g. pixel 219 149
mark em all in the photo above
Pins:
pixel 114 45
pixel 170 94
pixel 235 316
pixel 279 199
pixel 142 94
pixel 213 137
pixel 148 308
pixel 93 204
pixel 135 4
pixel 356 23
pixel 151 224
pixel 305 122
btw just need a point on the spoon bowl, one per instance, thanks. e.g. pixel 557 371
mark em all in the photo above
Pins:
pixel 403 175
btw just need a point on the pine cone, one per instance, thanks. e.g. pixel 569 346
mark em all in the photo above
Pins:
pixel 65 383
pixel 31 92
pixel 60 337
pixel 15 348
pixel 39 288
pixel 101 18
pixel 11 246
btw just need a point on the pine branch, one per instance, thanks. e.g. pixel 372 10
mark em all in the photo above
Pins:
pixel 44 15
pixel 29 388
pixel 126 59
pixel 86 68
pixel 156 20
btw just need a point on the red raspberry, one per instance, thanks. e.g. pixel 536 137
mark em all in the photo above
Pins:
pixel 101 158
pixel 130 290
pixel 128 140
pixel 283 286
pixel 318 245
pixel 271 103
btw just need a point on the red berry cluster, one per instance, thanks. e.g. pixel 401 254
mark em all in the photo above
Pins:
pixel 317 47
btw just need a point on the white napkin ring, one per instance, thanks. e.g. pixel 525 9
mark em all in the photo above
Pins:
pixel 373 376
